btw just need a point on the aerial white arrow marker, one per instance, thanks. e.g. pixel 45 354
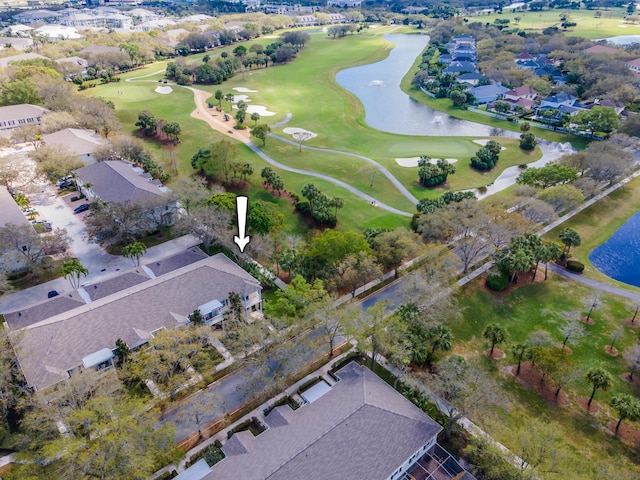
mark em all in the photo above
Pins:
pixel 241 207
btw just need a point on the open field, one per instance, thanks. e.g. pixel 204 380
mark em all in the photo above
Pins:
pixel 547 306
pixel 317 104
pixel 610 24
pixel 598 222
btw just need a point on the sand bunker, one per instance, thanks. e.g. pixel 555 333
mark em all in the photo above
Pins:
pixel 164 90
pixel 241 98
pixel 260 110
pixel 244 90
pixel 294 130
pixel 484 141
pixel 413 161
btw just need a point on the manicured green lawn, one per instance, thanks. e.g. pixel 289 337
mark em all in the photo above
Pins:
pixel 610 23
pixel 598 222
pixel 547 306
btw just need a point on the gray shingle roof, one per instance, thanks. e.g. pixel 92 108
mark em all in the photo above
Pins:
pixel 117 181
pixel 47 349
pixel 41 311
pixel 362 428
pixel 76 140
pixel 99 290
pixel 10 212
pixel 176 261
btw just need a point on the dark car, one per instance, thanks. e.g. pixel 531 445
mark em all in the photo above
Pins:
pixel 52 293
pixel 81 208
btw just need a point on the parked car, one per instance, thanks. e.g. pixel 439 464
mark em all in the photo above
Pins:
pixel 65 182
pixel 52 293
pixel 81 208
pixel 41 225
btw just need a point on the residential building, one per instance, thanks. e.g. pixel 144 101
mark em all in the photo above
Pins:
pixel 601 49
pixel 18 30
pixel 72 66
pixel 488 93
pixel 81 142
pixel 345 3
pixel 58 32
pixel 471 79
pixel 520 92
pixel 11 214
pixel 53 349
pixel 32 16
pixel 6 61
pixel 618 107
pixel 633 65
pixel 14 116
pixel 305 21
pixel 558 100
pixel 456 67
pixel 18 43
pixel 121 182
pixel 358 428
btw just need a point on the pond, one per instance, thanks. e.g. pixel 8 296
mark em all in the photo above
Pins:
pixel 389 109
pixel 621 40
pixel 619 257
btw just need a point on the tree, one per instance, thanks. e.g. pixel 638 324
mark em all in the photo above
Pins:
pixel 632 358
pixel 332 323
pixel 571 331
pixel 302 136
pixel 528 141
pixel 298 298
pixel 210 224
pixel 496 334
pixel 73 271
pixel 122 351
pixel 521 352
pixel 431 175
pixel 356 269
pixel 615 336
pixel 216 156
pixel 229 98
pixel 627 407
pixel 390 248
pixel 147 122
pixel 55 162
pixel 548 176
pixel 466 388
pixel 599 379
pixel 260 132
pixel 562 198
pixel 487 156
pixel 134 251
pixel 440 337
pixel 172 130
pixel 570 238
pixel 598 119
pixel 25 243
pixel 255 116
pixel 458 98
pixel 218 95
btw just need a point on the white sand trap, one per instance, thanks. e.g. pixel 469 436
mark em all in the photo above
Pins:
pixel 164 90
pixel 260 109
pixel 413 161
pixel 484 141
pixel 241 98
pixel 244 90
pixel 294 130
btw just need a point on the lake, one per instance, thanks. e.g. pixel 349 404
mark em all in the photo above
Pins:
pixel 619 257
pixel 389 109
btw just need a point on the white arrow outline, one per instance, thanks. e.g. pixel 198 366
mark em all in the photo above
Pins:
pixel 241 207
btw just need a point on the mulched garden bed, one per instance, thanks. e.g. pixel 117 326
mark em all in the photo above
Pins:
pixel 530 377
pixel 593 409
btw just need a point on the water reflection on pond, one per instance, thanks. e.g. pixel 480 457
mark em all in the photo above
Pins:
pixel 619 256
pixel 389 109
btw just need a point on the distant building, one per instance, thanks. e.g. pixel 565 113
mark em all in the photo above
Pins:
pixel 58 32
pixel 5 61
pixel 80 142
pixel 32 16
pixel 18 43
pixel 634 66
pixel 601 49
pixel 14 116
pixel 346 3
pixel 488 93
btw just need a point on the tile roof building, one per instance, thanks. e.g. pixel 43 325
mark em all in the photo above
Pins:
pixel 52 349
pixel 360 428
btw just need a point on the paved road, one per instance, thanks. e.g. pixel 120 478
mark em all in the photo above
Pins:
pixel 380 167
pixel 563 272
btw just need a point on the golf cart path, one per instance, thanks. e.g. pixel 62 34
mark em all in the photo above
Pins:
pixel 202 112
pixel 563 272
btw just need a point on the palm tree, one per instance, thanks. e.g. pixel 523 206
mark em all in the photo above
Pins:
pixel 440 337
pixel 495 334
pixel 134 251
pixel 570 238
pixel 219 96
pixel 255 116
pixel 599 378
pixel 521 352
pixel 229 98
pixel 73 270
pixel 627 406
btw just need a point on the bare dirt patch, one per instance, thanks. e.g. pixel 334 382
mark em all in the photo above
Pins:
pixel 588 321
pixel 627 378
pixel 531 378
pixel 609 350
pixel 629 322
pixel 593 409
pixel 496 355
pixel 625 432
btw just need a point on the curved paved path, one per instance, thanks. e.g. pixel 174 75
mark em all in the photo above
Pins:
pixel 382 169
pixel 202 112
pixel 563 272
